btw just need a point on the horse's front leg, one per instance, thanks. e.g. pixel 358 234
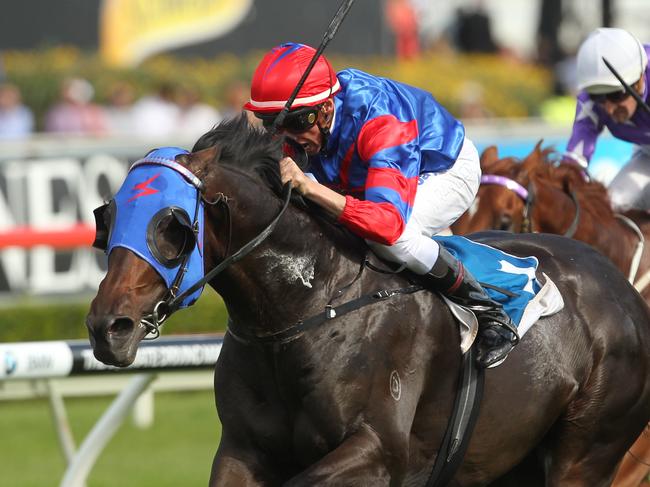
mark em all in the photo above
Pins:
pixel 359 461
pixel 231 471
pixel 231 468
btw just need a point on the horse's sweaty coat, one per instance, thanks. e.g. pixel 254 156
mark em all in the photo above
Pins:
pixel 290 268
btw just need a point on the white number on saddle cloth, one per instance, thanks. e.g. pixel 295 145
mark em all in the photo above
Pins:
pixel 512 269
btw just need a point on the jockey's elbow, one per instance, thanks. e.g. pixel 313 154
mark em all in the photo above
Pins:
pixel 388 236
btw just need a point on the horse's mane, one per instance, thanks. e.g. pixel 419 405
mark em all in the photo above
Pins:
pixel 254 151
pixel 592 194
pixel 246 147
pixel 540 165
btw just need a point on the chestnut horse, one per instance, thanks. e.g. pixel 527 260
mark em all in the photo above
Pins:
pixel 536 194
pixel 363 398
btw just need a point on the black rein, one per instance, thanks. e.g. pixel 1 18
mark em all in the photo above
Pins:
pixel 237 256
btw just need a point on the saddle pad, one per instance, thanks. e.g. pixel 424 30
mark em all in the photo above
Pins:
pixel 517 275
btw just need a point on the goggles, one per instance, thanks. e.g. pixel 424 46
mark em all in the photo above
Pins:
pixel 615 97
pixel 296 121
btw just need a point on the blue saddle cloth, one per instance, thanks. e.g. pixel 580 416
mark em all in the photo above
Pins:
pixel 493 266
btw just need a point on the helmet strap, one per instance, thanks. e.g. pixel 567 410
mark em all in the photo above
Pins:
pixel 325 132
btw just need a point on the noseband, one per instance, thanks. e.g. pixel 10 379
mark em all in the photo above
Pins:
pixel 527 195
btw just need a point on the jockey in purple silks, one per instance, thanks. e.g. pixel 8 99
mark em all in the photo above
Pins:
pixel 389 163
pixel 603 102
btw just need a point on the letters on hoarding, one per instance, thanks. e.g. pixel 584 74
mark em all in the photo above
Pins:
pixel 51 194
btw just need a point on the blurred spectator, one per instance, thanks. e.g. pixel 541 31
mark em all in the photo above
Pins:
pixel 16 120
pixel 3 75
pixel 549 50
pixel 402 20
pixel 157 115
pixel 237 94
pixel 119 110
pixel 474 30
pixel 74 113
pixel 195 117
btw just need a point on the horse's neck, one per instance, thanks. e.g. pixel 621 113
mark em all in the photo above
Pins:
pixel 556 212
pixel 295 272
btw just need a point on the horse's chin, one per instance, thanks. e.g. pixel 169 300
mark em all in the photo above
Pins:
pixel 119 351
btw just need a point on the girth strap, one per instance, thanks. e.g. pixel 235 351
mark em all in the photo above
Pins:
pixel 461 423
pixel 329 313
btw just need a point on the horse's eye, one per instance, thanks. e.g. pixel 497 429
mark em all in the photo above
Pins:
pixel 173 240
pixel 170 236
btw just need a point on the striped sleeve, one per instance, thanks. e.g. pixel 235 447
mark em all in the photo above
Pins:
pixel 389 148
pixel 586 128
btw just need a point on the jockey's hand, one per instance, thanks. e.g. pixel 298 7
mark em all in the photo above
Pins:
pixel 290 172
pixel 332 201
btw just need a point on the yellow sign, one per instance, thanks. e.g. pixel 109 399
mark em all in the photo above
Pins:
pixel 132 30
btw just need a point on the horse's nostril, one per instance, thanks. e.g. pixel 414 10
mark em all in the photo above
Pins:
pixel 120 327
pixel 504 223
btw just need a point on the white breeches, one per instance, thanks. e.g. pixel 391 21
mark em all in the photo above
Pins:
pixel 440 199
pixel 630 188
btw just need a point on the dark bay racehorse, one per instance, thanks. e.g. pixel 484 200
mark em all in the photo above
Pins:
pixel 364 398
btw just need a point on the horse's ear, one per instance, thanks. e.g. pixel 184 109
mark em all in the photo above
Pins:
pixel 183 159
pixel 534 158
pixel 490 156
pixel 210 155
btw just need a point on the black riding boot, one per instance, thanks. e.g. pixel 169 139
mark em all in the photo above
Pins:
pixel 497 334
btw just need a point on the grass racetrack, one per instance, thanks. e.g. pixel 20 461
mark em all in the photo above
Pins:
pixel 176 451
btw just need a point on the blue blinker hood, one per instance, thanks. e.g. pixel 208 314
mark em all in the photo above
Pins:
pixel 154 183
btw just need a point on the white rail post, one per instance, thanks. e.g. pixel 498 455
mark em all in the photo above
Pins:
pixel 104 429
pixel 60 418
pixel 143 410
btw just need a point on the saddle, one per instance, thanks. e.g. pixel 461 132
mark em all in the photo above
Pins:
pixel 546 302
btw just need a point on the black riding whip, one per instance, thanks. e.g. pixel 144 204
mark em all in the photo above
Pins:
pixel 329 35
pixel 628 88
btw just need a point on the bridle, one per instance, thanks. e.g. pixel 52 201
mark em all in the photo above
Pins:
pixel 527 195
pixel 164 308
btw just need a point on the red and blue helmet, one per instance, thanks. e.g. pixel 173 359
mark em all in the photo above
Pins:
pixel 278 74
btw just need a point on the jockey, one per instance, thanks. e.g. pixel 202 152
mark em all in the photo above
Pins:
pixel 603 102
pixel 390 163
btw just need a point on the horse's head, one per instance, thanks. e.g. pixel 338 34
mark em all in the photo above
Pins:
pixel 540 193
pixel 152 231
pixel 503 197
pixel 176 214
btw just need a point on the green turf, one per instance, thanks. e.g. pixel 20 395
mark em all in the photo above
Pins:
pixel 176 451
